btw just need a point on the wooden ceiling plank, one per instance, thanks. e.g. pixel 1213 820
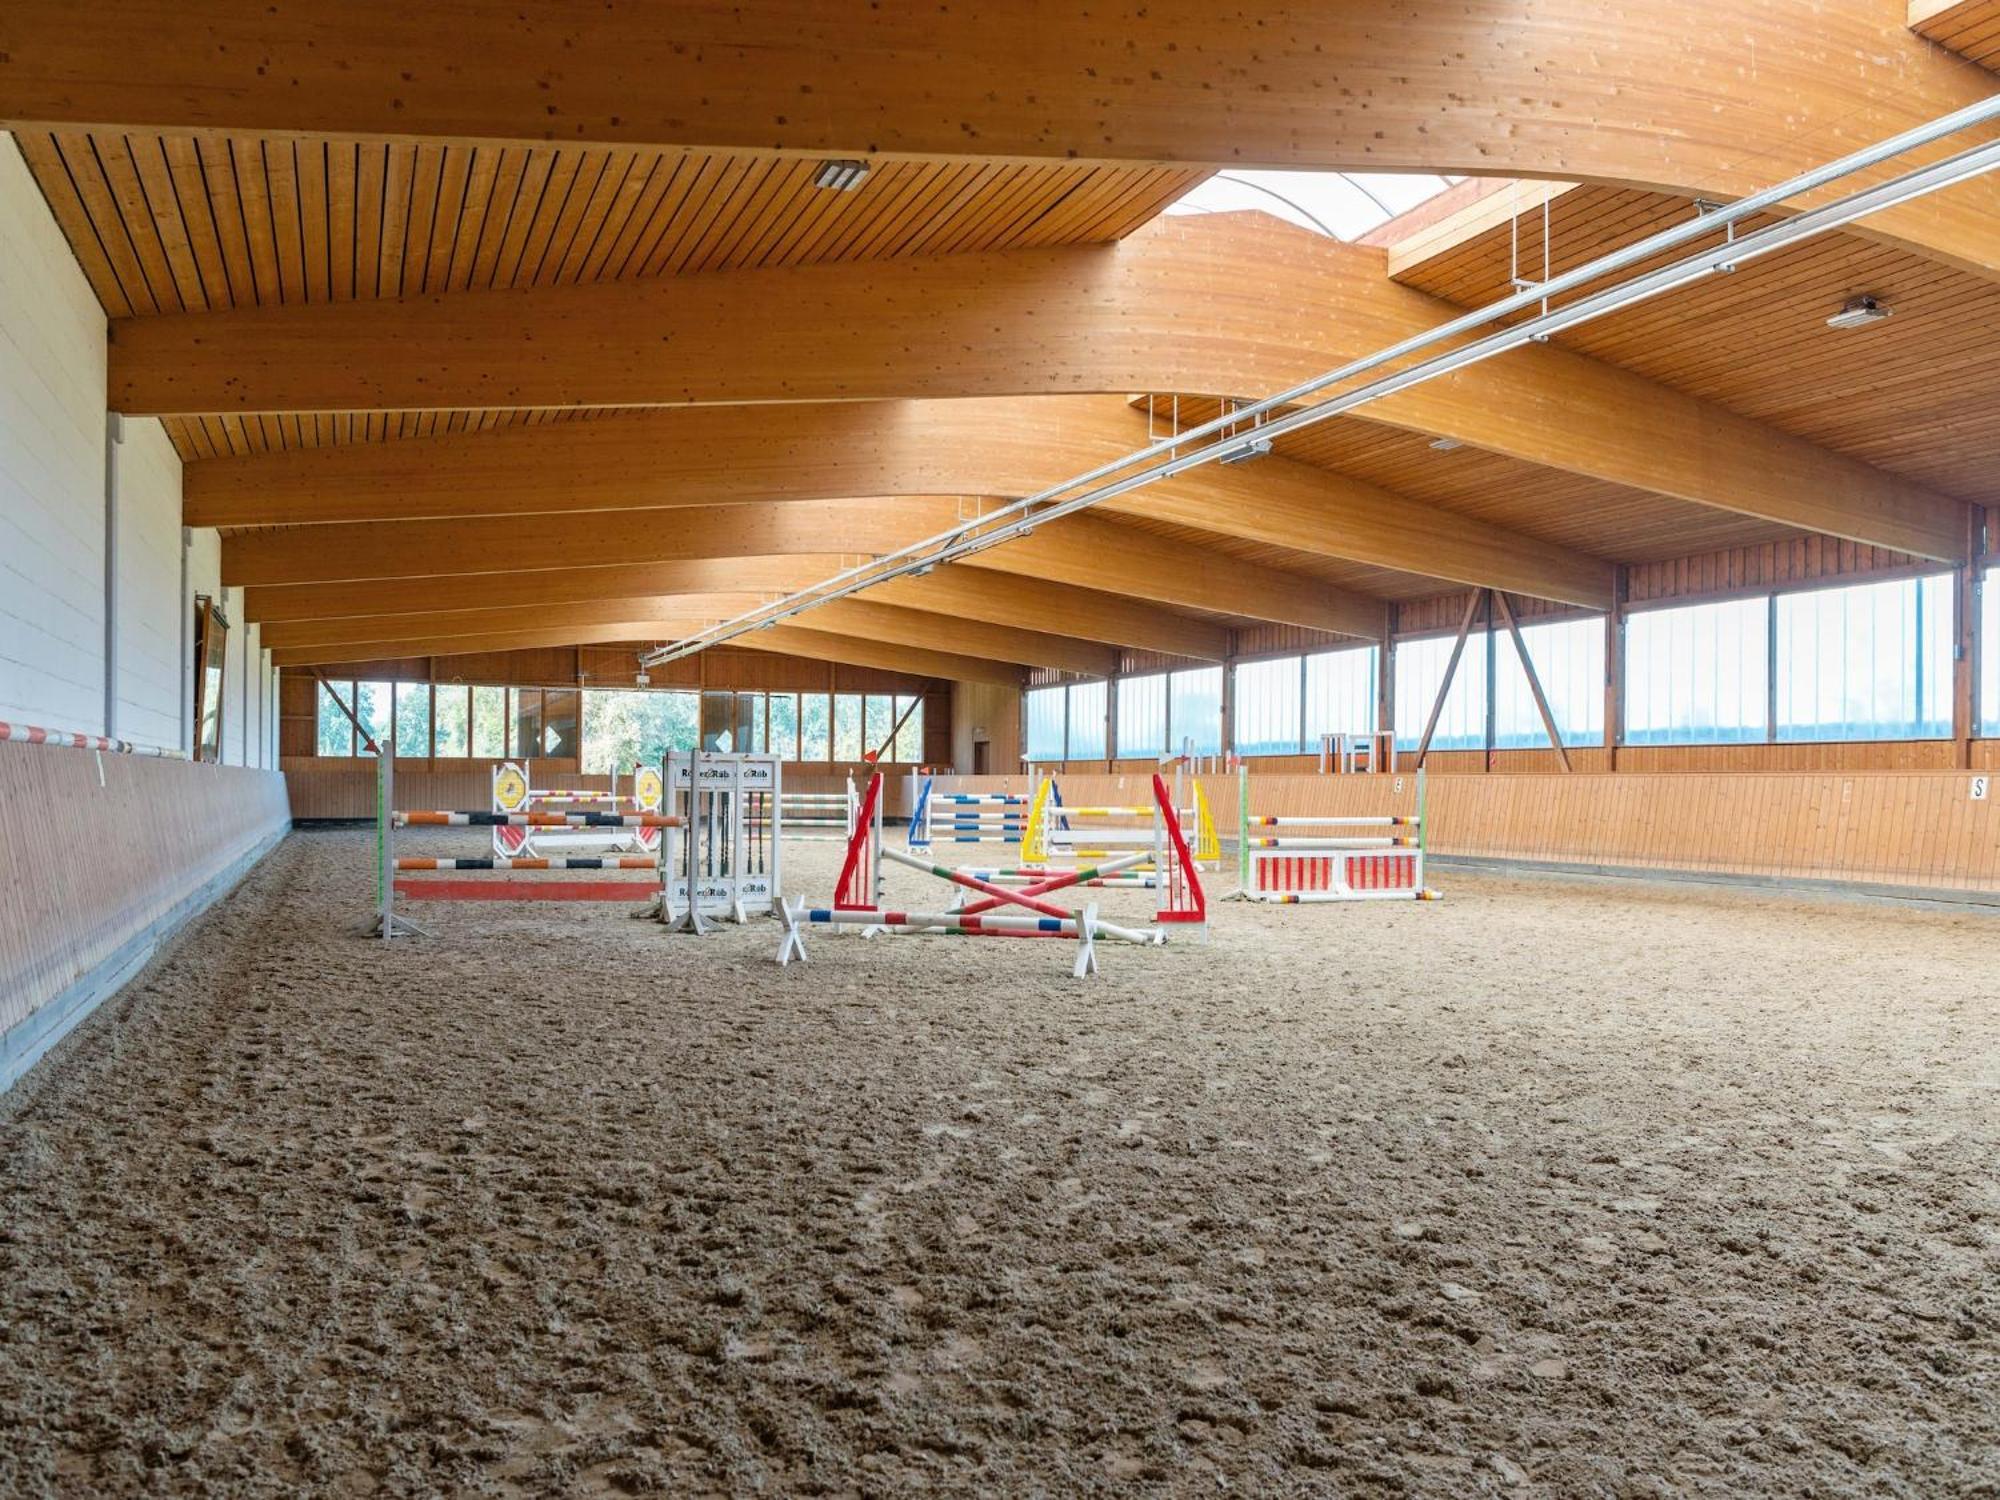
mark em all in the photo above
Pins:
pixel 127 198
pixel 315 219
pixel 281 180
pixel 189 195
pixel 105 258
pixel 475 202
pixel 371 167
pixel 342 162
pixel 589 205
pixel 537 168
pixel 638 196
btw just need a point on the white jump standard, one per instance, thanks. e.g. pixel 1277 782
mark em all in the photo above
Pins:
pixel 726 842
pixel 1331 863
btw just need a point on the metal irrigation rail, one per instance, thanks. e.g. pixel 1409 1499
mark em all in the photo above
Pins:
pixel 1164 460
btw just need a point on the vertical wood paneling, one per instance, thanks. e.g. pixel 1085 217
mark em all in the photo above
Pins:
pixel 94 862
pixel 1900 828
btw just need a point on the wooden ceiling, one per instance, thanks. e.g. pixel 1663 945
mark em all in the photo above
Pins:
pixel 1732 386
pixel 1917 395
pixel 165 224
pixel 1971 28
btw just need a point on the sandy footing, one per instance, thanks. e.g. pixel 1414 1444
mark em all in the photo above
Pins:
pixel 1552 1188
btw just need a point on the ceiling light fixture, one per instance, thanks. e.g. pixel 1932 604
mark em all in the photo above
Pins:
pixel 1446 445
pixel 1255 448
pixel 1858 313
pixel 841 176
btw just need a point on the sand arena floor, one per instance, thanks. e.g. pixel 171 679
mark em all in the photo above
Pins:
pixel 1548 1189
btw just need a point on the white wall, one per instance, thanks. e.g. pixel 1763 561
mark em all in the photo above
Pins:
pixel 59 455
pixel 52 437
pixel 147 611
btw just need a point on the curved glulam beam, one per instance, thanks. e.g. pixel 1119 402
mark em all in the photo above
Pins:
pixel 814 644
pixel 862 619
pixel 964 593
pixel 1085 551
pixel 723 454
pixel 1711 97
pixel 1222 303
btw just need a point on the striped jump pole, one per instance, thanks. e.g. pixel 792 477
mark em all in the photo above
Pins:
pixel 537 862
pixel 534 820
pixel 1081 928
pixel 998 895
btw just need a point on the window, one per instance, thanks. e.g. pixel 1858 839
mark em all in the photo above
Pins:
pixel 413 719
pixel 623 727
pixel 909 746
pixel 750 723
pixel 335 734
pixel 527 722
pixel 1419 667
pixel 1267 706
pixel 784 721
pixel 489 722
pixel 371 706
pixel 1699 674
pixel 1569 663
pixel 847 726
pixel 211 649
pixel 1045 723
pixel 878 719
pixel 451 718
pixel 1989 651
pixel 1194 711
pixel 1340 693
pixel 1142 716
pixel 559 724
pixel 1089 710
pixel 815 727
pixel 1868 662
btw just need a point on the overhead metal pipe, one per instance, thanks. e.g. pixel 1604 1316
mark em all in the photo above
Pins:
pixel 1022 516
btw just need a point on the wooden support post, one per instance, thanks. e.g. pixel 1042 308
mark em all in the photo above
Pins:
pixel 1534 681
pixel 1385 691
pixel 1450 671
pixel 1965 637
pixel 1614 668
pixel 1492 688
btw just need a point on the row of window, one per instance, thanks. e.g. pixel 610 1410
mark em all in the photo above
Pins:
pixel 1181 709
pixel 1871 661
pixel 607 727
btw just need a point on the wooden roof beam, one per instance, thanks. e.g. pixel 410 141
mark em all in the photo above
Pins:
pixel 974 593
pixel 784 640
pixel 1189 304
pixel 863 619
pixel 1086 551
pixel 707 455
pixel 767 576
pixel 1662 100
pixel 966 593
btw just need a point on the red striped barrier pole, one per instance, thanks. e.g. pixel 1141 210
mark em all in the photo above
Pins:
pixel 38 734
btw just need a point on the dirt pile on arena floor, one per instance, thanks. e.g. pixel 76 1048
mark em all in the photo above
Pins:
pixel 1552 1188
